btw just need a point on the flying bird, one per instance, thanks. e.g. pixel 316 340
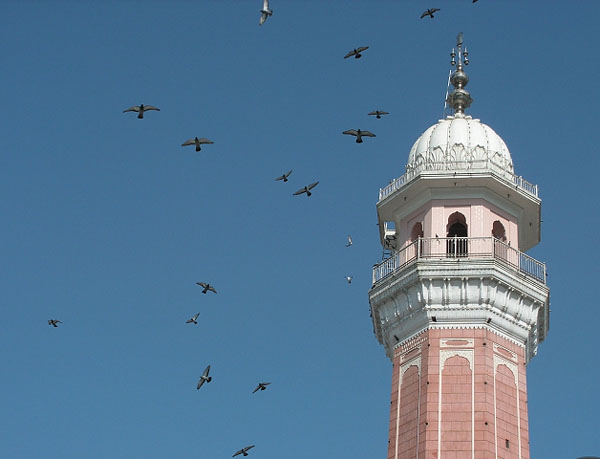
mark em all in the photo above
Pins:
pixel 244 450
pixel 194 319
pixel 206 287
pixel 204 378
pixel 54 322
pixel 378 114
pixel 349 241
pixel 196 141
pixel 265 12
pixel 429 12
pixel 349 279
pixel 261 386
pixel 356 52
pixel 285 176
pixel 359 134
pixel 306 189
pixel 140 109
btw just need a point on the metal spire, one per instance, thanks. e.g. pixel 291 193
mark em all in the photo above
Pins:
pixel 459 99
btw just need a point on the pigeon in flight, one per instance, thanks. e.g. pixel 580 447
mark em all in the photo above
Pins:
pixel 265 12
pixel 204 378
pixel 244 450
pixel 349 279
pixel 306 189
pixel 140 109
pixel 358 134
pixel 196 141
pixel 54 322
pixel 349 241
pixel 378 114
pixel 261 386
pixel 194 319
pixel 285 176
pixel 356 52
pixel 429 12
pixel 206 287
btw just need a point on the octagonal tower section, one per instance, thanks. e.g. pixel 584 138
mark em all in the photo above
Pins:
pixel 459 307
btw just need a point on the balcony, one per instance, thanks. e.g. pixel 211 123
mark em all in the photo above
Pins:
pixel 463 248
pixel 453 167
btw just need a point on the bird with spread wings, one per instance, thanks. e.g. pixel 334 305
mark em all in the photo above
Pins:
pixel 356 52
pixel 140 109
pixel 306 189
pixel 265 12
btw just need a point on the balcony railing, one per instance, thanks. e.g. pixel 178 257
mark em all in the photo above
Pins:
pixel 477 166
pixel 461 248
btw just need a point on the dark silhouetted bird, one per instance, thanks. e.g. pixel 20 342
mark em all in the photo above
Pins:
pixel 359 134
pixel 204 378
pixel 429 12
pixel 349 241
pixel 306 189
pixel 194 319
pixel 285 176
pixel 378 113
pixel 265 12
pixel 261 386
pixel 196 141
pixel 206 287
pixel 54 322
pixel 243 451
pixel 356 52
pixel 140 109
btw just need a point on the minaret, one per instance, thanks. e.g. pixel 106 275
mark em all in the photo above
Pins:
pixel 459 307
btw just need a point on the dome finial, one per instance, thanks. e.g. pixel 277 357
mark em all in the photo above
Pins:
pixel 459 99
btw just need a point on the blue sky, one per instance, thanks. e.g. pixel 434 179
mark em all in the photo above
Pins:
pixel 108 222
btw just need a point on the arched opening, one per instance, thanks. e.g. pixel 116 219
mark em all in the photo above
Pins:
pixel 417 231
pixel 498 231
pixel 457 229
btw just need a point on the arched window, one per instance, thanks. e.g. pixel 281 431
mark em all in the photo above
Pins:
pixel 498 231
pixel 417 231
pixel 457 228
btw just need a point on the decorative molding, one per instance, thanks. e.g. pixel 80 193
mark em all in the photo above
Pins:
pixel 409 355
pixel 513 367
pixel 503 351
pixel 414 362
pixel 401 347
pixel 459 299
pixel 447 342
pixel 407 345
pixel 446 354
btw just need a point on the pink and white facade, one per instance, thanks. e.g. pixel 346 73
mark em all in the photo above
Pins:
pixel 458 305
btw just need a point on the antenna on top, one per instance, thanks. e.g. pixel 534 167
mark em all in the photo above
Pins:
pixel 446 98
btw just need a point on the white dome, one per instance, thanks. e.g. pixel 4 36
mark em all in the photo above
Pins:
pixel 459 141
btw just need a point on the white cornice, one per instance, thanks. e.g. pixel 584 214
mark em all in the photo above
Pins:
pixel 456 295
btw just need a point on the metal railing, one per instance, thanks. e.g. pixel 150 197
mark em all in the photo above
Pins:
pixel 461 248
pixel 480 165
